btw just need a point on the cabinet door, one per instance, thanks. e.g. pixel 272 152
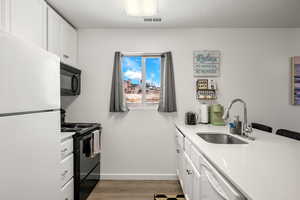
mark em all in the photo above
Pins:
pixel 54 32
pixel 69 44
pixel 28 20
pixel 180 164
pixel 188 178
pixel 4 15
pixel 196 190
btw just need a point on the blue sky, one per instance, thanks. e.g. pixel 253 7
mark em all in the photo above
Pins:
pixel 132 69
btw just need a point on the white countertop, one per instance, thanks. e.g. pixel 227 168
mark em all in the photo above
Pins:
pixel 66 135
pixel 265 169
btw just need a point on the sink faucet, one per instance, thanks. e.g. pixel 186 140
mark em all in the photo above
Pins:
pixel 247 129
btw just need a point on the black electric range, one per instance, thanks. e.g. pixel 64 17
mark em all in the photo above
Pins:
pixel 86 167
pixel 79 128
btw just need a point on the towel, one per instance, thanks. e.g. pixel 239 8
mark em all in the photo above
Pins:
pixel 96 143
pixel 87 147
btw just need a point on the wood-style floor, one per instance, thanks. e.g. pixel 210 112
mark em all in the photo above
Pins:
pixel 133 190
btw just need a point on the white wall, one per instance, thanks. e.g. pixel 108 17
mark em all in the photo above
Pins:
pixel 255 67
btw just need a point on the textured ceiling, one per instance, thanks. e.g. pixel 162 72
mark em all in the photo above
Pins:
pixel 184 13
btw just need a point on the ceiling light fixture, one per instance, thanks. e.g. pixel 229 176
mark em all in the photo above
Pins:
pixel 141 8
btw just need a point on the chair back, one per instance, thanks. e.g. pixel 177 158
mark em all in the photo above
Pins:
pixel 262 127
pixel 288 133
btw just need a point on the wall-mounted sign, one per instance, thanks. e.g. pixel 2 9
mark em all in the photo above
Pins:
pixel 207 63
pixel 296 80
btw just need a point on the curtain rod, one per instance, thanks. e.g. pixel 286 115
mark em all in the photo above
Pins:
pixel 141 54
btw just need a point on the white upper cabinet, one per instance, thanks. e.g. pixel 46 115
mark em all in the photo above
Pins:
pixel 28 20
pixel 62 38
pixel 54 32
pixel 69 44
pixel 4 15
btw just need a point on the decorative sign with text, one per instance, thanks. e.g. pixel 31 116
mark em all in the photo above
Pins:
pixel 296 80
pixel 207 63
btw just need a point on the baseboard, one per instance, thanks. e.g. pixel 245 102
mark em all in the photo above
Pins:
pixel 139 177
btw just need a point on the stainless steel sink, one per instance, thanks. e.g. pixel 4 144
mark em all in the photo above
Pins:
pixel 220 138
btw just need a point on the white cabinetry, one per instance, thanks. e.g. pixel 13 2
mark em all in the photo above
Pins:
pixel 198 178
pixel 196 189
pixel 28 20
pixel 69 44
pixel 54 32
pixel 179 152
pixel 4 15
pixel 187 178
pixel 62 38
pixel 67 192
pixel 66 169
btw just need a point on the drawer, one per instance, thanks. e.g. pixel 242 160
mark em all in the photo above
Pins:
pixel 187 147
pixel 66 170
pixel 67 192
pixel 66 148
pixel 179 138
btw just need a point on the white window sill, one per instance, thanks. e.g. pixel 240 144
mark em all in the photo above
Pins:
pixel 141 107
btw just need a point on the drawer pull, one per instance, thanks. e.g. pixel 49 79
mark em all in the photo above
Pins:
pixel 64 150
pixel 189 172
pixel 65 172
pixel 66 56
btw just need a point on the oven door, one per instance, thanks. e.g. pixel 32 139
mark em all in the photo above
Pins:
pixel 87 168
pixel 88 184
pixel 70 80
pixel 87 163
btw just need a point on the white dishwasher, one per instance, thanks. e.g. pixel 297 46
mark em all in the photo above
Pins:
pixel 214 186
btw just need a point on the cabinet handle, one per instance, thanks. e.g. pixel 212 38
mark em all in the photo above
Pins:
pixel 65 172
pixel 66 56
pixel 177 150
pixel 64 150
pixel 189 172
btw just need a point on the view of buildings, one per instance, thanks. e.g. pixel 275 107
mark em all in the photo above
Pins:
pixel 134 92
pixel 133 79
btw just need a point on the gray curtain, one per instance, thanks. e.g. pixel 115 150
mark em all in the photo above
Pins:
pixel 117 99
pixel 167 101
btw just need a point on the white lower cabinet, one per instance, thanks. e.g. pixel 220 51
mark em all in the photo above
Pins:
pixel 196 184
pixel 199 179
pixel 187 178
pixel 67 169
pixel 67 192
pixel 179 155
pixel 66 148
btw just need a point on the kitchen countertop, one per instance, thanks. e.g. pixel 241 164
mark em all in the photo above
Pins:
pixel 66 135
pixel 265 169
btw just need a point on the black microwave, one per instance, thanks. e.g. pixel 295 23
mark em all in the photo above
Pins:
pixel 70 80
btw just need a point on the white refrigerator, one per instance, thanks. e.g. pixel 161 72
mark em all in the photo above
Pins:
pixel 29 121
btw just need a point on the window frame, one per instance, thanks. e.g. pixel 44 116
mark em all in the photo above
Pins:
pixel 143 105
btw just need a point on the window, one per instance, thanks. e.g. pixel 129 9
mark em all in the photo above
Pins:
pixel 141 80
